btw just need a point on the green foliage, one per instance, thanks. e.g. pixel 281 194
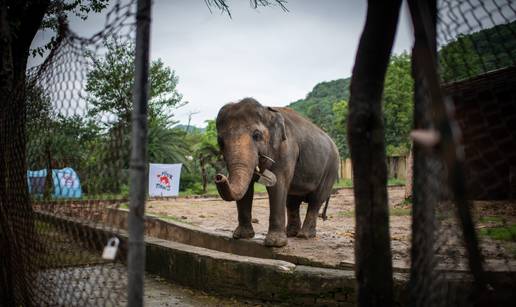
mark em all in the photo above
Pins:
pixel 53 138
pixel 501 233
pixel 58 8
pixel 327 106
pixel 165 143
pixel 400 211
pixel 206 152
pixel 98 150
pixel 339 130
pixel 397 105
pixel 479 52
pixel 320 106
pixel 489 218
pixel 111 84
pixel 343 183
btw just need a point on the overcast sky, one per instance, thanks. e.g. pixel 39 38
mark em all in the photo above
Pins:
pixel 274 56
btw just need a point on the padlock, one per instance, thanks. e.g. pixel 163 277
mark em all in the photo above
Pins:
pixel 111 249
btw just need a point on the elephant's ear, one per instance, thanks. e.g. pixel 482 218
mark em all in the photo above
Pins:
pixel 277 130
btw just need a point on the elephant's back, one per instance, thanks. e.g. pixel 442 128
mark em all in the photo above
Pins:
pixel 307 133
pixel 318 158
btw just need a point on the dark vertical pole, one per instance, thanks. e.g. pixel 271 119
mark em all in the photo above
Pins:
pixel 450 149
pixel 367 147
pixel 425 184
pixel 138 164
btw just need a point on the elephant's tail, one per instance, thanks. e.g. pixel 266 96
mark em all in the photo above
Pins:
pixel 324 216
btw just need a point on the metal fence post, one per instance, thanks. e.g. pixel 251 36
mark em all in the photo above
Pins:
pixel 138 164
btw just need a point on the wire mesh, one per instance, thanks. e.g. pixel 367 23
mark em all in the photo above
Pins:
pixel 72 157
pixel 477 60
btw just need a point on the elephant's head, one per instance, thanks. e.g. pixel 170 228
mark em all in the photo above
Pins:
pixel 246 131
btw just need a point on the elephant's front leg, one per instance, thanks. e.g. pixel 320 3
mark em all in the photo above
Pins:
pixel 276 236
pixel 244 229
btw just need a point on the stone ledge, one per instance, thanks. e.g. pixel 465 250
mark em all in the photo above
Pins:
pixel 251 277
pixel 224 273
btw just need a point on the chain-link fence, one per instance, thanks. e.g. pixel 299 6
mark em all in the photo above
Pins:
pixel 76 133
pixel 476 52
pixel 71 152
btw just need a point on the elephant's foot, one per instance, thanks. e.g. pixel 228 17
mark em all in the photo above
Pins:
pixel 292 230
pixel 275 239
pixel 243 232
pixel 307 232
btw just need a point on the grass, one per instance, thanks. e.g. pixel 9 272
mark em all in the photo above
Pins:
pixel 211 190
pixel 489 218
pixel 395 181
pixel 343 183
pixel 396 211
pixel 500 233
pixel 348 214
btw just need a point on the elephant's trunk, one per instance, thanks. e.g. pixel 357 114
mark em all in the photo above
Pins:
pixel 234 187
pixel 241 159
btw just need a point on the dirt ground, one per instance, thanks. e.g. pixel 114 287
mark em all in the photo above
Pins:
pixel 333 245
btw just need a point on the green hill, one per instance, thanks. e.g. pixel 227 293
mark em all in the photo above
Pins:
pixel 318 106
pixel 322 97
pixel 466 56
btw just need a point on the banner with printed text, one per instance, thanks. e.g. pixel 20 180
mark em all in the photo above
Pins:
pixel 164 179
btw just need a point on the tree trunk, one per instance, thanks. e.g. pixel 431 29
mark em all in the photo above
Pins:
pixel 367 147
pixel 202 163
pixel 18 234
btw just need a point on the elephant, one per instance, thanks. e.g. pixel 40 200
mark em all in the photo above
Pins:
pixel 301 161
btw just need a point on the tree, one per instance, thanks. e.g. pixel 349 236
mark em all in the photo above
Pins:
pixel 398 106
pixel 111 84
pixel 319 107
pixel 207 152
pixel 471 54
pixel 19 22
pixel 340 111
pixel 326 99
pixel 166 144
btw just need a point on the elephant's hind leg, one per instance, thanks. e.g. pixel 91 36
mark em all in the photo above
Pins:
pixel 293 219
pixel 308 230
pixel 245 229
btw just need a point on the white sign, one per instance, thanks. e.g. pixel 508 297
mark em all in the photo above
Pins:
pixel 164 179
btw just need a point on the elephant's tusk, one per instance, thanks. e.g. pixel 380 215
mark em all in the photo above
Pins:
pixel 268 158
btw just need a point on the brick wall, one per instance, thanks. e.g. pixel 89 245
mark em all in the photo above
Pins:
pixel 485 107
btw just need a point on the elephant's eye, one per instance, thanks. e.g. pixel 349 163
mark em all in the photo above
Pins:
pixel 257 135
pixel 221 142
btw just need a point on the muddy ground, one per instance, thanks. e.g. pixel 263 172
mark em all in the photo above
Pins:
pixel 335 236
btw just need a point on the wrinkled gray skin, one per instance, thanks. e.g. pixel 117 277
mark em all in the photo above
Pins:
pixel 306 166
